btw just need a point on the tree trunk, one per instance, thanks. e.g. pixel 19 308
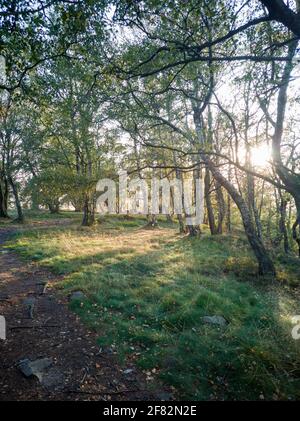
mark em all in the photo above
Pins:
pixel 20 218
pixel 182 228
pixel 152 221
pixel 193 230
pixel 290 180
pixel 210 211
pixel 252 204
pixel 178 173
pixel 265 264
pixel 221 208
pixel 282 223
pixel 295 231
pixel 169 218
pixel 53 208
pixel 228 219
pixel 88 214
pixel 3 198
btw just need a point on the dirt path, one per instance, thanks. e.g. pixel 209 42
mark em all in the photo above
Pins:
pixel 80 370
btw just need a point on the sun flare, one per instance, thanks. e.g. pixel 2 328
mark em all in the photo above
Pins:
pixel 261 156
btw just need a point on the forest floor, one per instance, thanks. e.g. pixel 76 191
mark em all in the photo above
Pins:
pixel 80 369
pixel 138 324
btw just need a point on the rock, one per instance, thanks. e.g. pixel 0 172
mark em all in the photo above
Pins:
pixel 29 303
pixel 215 320
pixel 53 379
pixel 34 368
pixel 170 362
pixel 77 295
pixel 165 396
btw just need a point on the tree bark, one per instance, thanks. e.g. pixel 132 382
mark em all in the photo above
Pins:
pixel 282 223
pixel 209 208
pixel 20 218
pixel 152 221
pixel 221 208
pixel 3 197
pixel 265 264
pixel 280 12
pixel 88 214
pixel 288 178
pixel 178 173
pixel 53 208
pixel 296 226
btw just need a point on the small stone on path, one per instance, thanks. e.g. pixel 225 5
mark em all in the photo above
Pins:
pixel 34 368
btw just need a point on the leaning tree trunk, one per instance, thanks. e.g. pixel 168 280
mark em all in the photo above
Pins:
pixel 266 266
pixel 20 218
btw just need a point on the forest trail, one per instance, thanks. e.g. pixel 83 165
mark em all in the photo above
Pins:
pixel 80 370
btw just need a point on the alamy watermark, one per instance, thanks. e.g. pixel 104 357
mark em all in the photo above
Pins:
pixel 296 328
pixel 164 197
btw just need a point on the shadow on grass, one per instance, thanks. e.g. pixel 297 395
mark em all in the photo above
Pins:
pixel 150 306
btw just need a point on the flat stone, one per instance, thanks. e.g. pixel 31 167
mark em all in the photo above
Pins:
pixel 77 295
pixel 34 368
pixel 214 320
pixel 24 367
pixel 29 302
pixel 53 379
pixel 165 396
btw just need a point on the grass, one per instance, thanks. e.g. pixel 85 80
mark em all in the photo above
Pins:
pixel 39 216
pixel 148 290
